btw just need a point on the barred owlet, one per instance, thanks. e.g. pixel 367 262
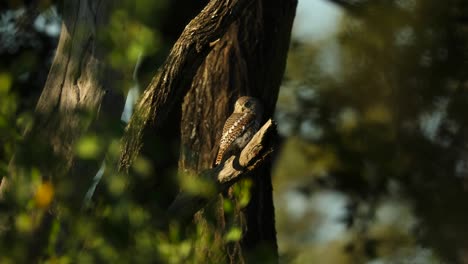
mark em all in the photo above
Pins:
pixel 240 127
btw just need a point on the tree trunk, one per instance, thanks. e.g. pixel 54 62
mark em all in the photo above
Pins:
pixel 246 54
pixel 81 96
pixel 248 60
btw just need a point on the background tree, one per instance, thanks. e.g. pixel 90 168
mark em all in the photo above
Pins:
pixel 378 124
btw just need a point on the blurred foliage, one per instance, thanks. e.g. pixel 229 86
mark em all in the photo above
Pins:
pixel 380 122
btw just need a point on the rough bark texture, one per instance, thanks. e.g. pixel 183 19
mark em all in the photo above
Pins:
pixel 173 80
pixel 244 57
pixel 81 95
pixel 157 115
pixel 248 60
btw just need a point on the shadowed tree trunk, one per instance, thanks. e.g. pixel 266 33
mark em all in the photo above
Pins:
pixel 81 96
pixel 248 60
pixel 246 57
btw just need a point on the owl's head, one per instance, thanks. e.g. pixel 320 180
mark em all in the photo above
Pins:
pixel 248 104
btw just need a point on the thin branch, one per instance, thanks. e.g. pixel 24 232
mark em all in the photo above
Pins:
pixel 186 204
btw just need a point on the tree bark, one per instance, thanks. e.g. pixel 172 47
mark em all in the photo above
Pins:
pixel 248 60
pixel 159 106
pixel 229 59
pixel 173 80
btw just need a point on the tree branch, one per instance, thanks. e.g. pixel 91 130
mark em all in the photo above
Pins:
pixel 186 204
pixel 173 80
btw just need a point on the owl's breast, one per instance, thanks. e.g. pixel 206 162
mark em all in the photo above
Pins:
pixel 245 137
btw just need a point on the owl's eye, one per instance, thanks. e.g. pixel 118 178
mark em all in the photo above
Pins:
pixel 247 104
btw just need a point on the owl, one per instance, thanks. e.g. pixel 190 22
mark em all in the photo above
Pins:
pixel 240 127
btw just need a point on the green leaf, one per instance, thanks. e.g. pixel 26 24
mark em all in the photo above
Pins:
pixel 234 234
pixel 5 82
pixel 88 147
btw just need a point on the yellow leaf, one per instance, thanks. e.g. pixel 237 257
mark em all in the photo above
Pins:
pixel 44 194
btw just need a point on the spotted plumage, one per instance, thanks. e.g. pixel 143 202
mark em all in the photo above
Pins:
pixel 240 127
